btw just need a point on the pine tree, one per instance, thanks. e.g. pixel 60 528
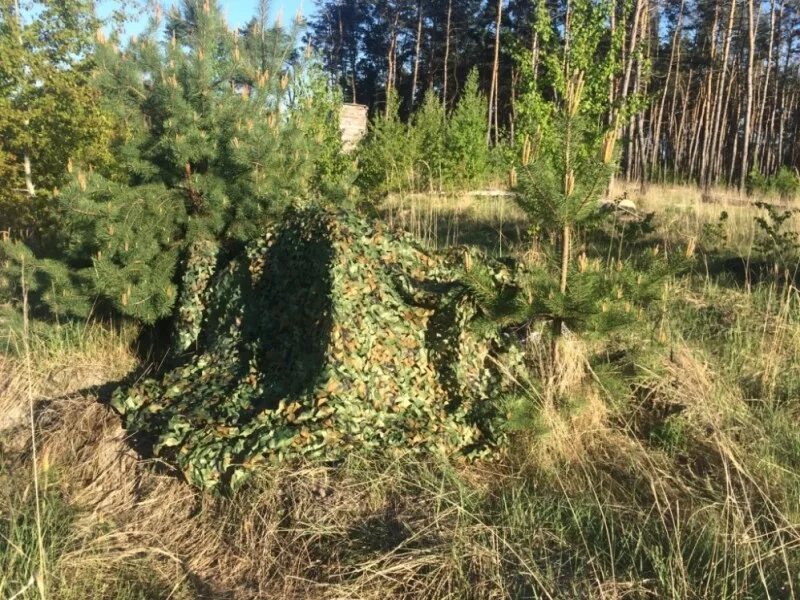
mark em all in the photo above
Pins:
pixel 384 160
pixel 211 145
pixel 466 152
pixel 428 139
pixel 565 165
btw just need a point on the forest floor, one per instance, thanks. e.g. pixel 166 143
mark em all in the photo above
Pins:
pixel 685 485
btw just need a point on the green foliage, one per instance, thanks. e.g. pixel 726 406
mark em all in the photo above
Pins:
pixel 577 278
pixel 23 515
pixel 50 113
pixel 567 159
pixel 427 140
pixel 592 50
pixel 714 236
pixel 435 151
pixel 119 252
pixel 384 159
pixel 600 298
pixel 785 183
pixel 216 133
pixel 467 155
pixel 778 244
pixel 757 182
pixel 315 111
pixel 30 570
pixel 564 166
pixel 327 335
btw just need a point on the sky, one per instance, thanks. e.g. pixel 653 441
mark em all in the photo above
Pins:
pixel 238 11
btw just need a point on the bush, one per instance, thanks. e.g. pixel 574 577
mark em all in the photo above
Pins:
pixel 384 157
pixel 427 135
pixel 786 183
pixel 468 155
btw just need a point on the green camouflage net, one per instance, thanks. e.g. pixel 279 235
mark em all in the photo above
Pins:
pixel 328 334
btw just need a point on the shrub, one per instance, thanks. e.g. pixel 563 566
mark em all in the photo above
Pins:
pixel 786 183
pixel 384 157
pixel 427 139
pixel 779 243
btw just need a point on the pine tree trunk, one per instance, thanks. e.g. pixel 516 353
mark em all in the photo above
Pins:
pixel 716 138
pixel 612 86
pixel 735 146
pixel 680 142
pixel 566 241
pixel 676 38
pixel 392 62
pixel 707 122
pixel 339 45
pixel 628 73
pixel 447 51
pixel 758 161
pixel 26 157
pixel 495 92
pixel 696 138
pixel 416 54
pixel 26 165
pixel 722 134
pixel 748 119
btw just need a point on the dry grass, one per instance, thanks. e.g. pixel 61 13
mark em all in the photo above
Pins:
pixel 683 210
pixel 411 529
pixel 289 536
pixel 490 221
pixel 681 484
pixel 493 221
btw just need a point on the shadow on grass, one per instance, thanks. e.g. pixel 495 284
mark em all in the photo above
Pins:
pixel 443 230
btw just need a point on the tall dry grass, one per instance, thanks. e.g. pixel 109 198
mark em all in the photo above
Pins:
pixel 680 483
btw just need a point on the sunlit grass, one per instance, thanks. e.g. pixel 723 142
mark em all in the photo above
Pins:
pixel 679 482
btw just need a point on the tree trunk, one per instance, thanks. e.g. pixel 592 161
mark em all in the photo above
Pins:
pixel 26 162
pixel 716 139
pixel 674 51
pixel 416 54
pixel 760 133
pixel 447 51
pixel 26 157
pixel 707 115
pixel 748 119
pixel 392 62
pixel 495 91
pixel 628 72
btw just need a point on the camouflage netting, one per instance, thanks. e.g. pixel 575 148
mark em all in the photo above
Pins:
pixel 328 334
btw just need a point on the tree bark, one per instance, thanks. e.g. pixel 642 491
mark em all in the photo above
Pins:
pixel 758 159
pixel 495 91
pixel 26 157
pixel 720 94
pixel 416 54
pixel 447 51
pixel 748 119
pixel 392 62
pixel 674 51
